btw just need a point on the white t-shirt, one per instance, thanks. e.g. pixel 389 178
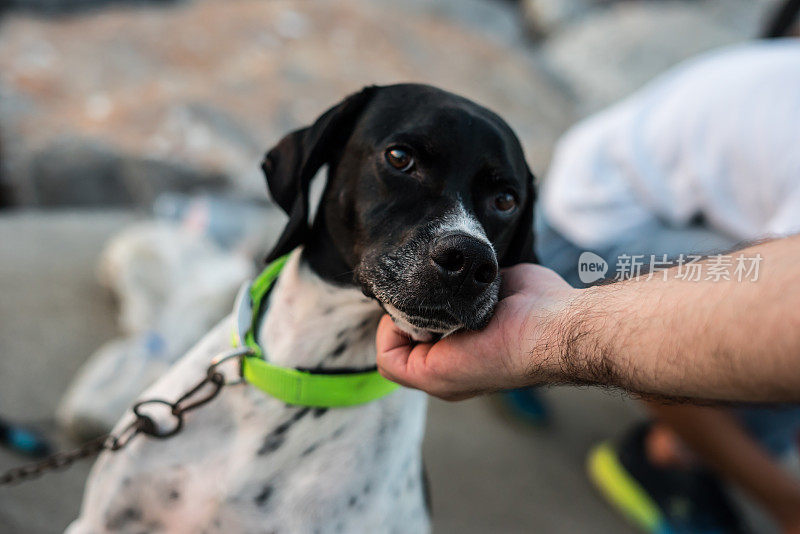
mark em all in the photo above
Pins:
pixel 718 135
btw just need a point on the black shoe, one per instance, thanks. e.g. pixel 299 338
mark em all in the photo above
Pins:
pixel 659 500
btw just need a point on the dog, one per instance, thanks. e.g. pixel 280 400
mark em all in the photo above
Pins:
pixel 428 194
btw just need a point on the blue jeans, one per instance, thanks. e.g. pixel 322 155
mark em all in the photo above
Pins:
pixel 777 427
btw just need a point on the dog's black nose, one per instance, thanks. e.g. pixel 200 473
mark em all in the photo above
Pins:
pixel 464 261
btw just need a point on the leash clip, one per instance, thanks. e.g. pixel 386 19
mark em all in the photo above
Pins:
pixel 238 353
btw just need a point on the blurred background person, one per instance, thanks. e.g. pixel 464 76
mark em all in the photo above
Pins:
pixel 703 158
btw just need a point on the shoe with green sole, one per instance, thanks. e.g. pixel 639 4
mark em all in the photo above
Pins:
pixel 660 500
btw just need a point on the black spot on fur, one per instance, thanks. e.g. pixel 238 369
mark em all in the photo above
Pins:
pixel 174 495
pixel 309 449
pixel 300 413
pixel 367 488
pixel 263 497
pixel 338 350
pixel 426 490
pixel 338 432
pixel 286 425
pixel 275 439
pixel 271 444
pixel 319 412
pixel 122 520
pixel 340 334
pixel 351 503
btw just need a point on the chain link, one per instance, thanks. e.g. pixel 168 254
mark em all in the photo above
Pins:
pixel 210 386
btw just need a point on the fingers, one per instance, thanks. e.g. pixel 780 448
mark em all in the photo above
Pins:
pixel 395 349
pixel 465 364
pixel 407 363
pixel 422 366
pixel 390 337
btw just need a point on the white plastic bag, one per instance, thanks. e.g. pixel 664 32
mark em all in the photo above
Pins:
pixel 173 285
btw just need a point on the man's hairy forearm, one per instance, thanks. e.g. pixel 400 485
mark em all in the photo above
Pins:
pixel 721 340
pixel 717 340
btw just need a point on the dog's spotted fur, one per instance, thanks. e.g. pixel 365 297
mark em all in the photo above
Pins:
pixel 248 463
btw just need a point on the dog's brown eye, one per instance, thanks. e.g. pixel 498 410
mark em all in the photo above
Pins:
pixel 399 158
pixel 505 202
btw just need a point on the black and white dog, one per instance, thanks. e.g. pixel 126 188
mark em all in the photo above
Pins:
pixel 427 195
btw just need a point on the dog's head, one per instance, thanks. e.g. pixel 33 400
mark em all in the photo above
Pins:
pixel 427 195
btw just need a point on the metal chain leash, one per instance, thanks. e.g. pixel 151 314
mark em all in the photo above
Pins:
pixel 213 382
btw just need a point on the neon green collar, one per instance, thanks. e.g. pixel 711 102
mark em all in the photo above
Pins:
pixel 294 386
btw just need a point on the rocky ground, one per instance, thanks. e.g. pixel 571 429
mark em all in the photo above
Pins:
pixel 192 95
pixel 112 106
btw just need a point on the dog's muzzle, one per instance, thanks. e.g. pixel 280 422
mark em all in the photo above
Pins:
pixel 450 283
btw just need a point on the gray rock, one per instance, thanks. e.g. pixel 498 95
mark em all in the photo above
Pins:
pixel 58 7
pixel 79 172
pixel 543 17
pixel 200 90
pixel 612 53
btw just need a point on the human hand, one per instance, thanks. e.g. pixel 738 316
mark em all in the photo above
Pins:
pixel 517 348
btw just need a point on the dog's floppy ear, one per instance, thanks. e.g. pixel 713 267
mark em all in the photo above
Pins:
pixel 293 162
pixel 520 248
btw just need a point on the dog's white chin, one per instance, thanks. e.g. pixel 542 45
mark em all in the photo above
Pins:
pixel 414 332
